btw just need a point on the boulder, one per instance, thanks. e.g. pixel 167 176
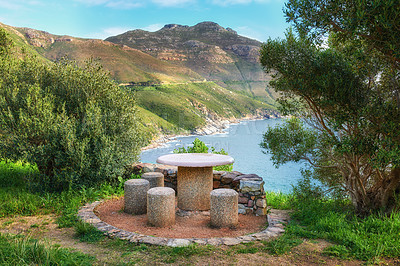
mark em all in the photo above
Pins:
pixel 247 185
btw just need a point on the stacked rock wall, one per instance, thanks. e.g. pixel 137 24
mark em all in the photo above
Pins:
pixel 249 186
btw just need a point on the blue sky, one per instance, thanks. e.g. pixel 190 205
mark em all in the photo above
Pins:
pixel 258 19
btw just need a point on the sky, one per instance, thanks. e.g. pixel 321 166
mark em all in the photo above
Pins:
pixel 257 19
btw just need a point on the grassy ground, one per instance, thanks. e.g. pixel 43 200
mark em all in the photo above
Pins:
pixel 41 228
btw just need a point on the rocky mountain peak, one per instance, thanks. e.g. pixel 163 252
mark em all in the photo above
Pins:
pixel 208 26
pixel 174 26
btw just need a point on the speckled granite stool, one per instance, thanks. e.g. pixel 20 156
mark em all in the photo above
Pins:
pixel 161 206
pixel 156 179
pixel 224 207
pixel 135 196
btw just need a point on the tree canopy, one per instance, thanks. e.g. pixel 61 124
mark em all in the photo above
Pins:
pixel 346 94
pixel 75 124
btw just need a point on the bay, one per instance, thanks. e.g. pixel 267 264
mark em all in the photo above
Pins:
pixel 241 141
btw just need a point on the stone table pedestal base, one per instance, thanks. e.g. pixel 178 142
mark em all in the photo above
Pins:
pixel 194 187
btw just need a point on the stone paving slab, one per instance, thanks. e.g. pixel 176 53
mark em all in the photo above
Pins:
pixel 276 221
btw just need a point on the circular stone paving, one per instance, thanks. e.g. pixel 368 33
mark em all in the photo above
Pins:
pixel 121 226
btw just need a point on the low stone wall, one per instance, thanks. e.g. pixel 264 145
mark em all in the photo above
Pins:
pixel 249 186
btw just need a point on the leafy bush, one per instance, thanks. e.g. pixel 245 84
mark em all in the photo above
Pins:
pixel 73 122
pixel 201 147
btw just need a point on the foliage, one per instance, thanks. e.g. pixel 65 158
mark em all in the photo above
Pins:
pixel 279 200
pixel 74 123
pixel 367 238
pixel 347 95
pixel 375 22
pixel 26 251
pixel 198 147
pixel 16 199
pixel 201 147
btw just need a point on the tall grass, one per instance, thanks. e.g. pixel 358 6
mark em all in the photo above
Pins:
pixel 17 199
pixel 279 200
pixel 17 250
pixel 364 238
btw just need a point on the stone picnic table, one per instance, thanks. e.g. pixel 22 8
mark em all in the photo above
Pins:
pixel 195 177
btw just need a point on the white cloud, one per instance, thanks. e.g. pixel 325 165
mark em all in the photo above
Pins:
pixel 18 4
pixel 107 32
pixel 130 4
pixel 113 31
pixel 9 6
pixel 172 3
pixel 117 4
pixel 153 27
pixel 124 4
pixel 250 33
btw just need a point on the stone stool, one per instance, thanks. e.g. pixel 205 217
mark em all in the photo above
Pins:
pixel 156 179
pixel 224 207
pixel 135 196
pixel 161 206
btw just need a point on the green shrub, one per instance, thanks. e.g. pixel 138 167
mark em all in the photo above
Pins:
pixel 73 122
pixel 201 147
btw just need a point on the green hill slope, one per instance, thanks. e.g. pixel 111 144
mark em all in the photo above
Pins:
pixel 190 106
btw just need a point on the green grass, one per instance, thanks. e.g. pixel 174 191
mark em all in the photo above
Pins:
pixel 367 239
pixel 18 250
pixel 17 199
pixel 353 237
pixel 279 200
pixel 282 245
pixel 171 254
pixel 88 233
pixel 158 253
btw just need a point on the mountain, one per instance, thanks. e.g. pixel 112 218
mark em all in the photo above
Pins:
pixel 172 96
pixel 125 64
pixel 216 53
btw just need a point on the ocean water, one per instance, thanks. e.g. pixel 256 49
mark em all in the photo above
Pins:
pixel 241 141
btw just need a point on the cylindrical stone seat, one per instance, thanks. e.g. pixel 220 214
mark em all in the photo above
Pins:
pixel 161 206
pixel 135 196
pixel 224 208
pixel 156 179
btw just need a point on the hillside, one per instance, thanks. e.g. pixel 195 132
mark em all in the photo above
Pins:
pixel 172 97
pixel 125 64
pixel 203 106
pixel 216 53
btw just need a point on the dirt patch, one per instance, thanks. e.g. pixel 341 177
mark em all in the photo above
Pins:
pixel 187 225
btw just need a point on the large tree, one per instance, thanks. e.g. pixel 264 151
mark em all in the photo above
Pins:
pixel 346 93
pixel 74 123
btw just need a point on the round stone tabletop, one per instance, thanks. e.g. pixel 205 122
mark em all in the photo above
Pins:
pixel 195 159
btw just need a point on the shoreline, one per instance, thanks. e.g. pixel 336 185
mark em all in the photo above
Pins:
pixel 212 128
